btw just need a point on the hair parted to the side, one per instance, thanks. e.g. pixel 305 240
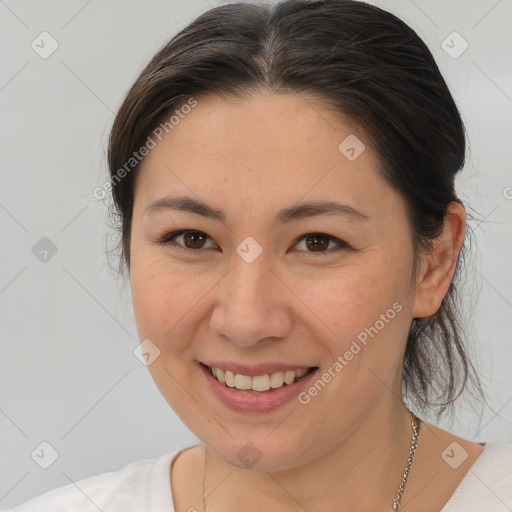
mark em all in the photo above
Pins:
pixel 360 61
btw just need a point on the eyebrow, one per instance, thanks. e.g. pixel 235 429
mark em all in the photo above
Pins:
pixel 296 212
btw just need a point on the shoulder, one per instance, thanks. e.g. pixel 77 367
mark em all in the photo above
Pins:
pixel 124 490
pixel 488 483
pixel 495 468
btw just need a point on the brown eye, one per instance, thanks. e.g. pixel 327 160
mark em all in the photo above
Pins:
pixel 191 240
pixel 194 239
pixel 319 242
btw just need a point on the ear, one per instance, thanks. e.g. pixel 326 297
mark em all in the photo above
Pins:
pixel 438 267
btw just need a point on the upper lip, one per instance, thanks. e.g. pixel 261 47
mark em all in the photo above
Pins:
pixel 258 369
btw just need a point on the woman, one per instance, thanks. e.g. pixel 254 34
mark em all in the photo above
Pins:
pixel 284 177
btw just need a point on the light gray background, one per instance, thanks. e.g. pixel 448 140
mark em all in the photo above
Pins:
pixel 68 373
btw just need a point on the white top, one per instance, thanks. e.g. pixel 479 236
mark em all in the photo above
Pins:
pixel 144 486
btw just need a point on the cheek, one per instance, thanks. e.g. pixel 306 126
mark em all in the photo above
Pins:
pixel 166 306
pixel 362 317
pixel 165 303
pixel 348 299
pixel 362 321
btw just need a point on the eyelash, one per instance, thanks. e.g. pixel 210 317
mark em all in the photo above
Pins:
pixel 168 239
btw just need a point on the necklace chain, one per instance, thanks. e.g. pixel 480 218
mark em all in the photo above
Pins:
pixel 396 503
pixel 412 450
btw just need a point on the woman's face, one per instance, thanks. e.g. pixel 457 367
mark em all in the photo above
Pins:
pixel 256 291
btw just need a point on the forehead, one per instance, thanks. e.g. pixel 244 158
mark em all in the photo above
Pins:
pixel 262 126
pixel 275 148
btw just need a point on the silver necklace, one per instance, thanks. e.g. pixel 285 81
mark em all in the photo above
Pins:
pixel 412 450
pixel 396 503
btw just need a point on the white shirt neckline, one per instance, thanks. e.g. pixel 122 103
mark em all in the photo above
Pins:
pixel 160 478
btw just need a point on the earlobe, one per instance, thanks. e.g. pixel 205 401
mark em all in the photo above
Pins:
pixel 438 267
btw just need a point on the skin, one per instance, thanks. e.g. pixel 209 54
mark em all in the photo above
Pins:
pixel 347 448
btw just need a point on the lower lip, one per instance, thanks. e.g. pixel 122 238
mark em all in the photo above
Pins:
pixel 244 401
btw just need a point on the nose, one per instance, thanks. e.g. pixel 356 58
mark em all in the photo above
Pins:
pixel 251 304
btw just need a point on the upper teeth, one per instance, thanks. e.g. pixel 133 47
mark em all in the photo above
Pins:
pixel 258 382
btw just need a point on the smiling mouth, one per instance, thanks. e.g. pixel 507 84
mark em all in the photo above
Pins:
pixel 258 383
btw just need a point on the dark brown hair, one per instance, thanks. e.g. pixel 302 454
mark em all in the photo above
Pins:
pixel 360 61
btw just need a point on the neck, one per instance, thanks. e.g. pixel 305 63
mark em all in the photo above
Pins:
pixel 362 472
